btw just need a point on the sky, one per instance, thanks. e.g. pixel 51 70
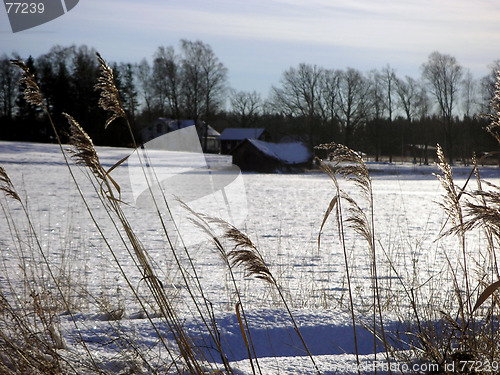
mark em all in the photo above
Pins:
pixel 257 40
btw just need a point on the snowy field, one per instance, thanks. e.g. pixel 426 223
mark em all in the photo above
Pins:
pixel 284 215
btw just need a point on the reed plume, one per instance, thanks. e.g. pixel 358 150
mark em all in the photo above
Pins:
pixel 453 207
pixel 109 99
pixel 7 186
pixel 348 164
pixel 487 211
pixel 31 91
pixel 494 127
pixel 451 198
pixel 246 254
pixel 83 151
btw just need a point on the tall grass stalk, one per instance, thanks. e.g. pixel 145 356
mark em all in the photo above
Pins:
pixel 336 203
pixel 350 165
pixel 246 254
pixel 110 101
pixel 84 153
pixel 206 316
pixel 33 96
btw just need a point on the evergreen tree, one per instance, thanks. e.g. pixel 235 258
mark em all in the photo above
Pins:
pixel 9 76
pixel 85 99
pixel 28 119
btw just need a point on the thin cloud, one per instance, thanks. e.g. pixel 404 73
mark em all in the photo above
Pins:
pixel 364 23
pixel 356 33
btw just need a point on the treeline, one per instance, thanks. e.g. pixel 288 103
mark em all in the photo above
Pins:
pixel 376 112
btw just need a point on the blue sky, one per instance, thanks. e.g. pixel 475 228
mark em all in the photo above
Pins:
pixel 258 39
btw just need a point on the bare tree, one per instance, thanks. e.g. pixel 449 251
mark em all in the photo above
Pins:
pixel 376 98
pixel 167 81
pixel 488 87
pixel 469 103
pixel 352 89
pixel 144 79
pixel 444 75
pixel 330 84
pixel 192 76
pixel 409 98
pixel 300 95
pixel 377 109
pixel 388 77
pixel 128 90
pixel 204 81
pixel 214 81
pixel 381 97
pixel 469 94
pixel 408 95
pixel 9 76
pixel 246 107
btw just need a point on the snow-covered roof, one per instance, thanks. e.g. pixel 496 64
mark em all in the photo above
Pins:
pixel 240 134
pixel 289 153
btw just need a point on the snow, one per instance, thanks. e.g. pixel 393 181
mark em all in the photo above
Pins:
pixel 290 153
pixel 284 216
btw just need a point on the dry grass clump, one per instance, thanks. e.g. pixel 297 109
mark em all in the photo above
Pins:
pixel 30 338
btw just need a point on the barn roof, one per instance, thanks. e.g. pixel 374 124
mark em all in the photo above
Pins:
pixel 240 134
pixel 288 153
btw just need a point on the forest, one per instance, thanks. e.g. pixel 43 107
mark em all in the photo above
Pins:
pixel 379 113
